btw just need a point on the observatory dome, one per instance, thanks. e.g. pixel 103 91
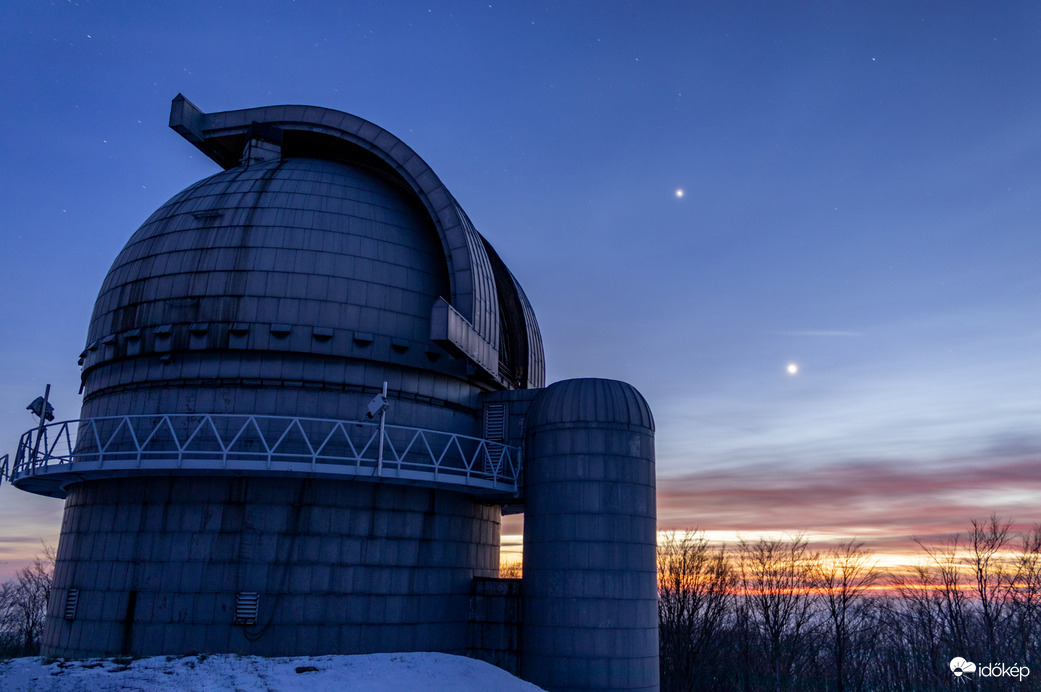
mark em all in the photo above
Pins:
pixel 590 399
pixel 291 256
pixel 293 283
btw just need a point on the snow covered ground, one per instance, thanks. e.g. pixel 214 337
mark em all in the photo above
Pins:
pixel 413 672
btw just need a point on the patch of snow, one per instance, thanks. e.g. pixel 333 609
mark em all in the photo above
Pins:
pixel 414 672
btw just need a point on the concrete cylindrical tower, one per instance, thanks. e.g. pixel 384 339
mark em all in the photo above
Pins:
pixel 590 589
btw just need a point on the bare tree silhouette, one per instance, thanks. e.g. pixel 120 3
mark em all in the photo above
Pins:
pixel 695 588
pixel 23 606
pixel 842 577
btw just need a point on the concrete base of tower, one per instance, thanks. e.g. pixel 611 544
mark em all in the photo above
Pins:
pixel 151 566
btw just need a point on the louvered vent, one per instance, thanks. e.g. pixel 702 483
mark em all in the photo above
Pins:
pixel 246 605
pixel 495 422
pixel 72 599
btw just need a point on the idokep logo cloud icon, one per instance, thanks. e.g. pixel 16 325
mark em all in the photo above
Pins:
pixel 959 666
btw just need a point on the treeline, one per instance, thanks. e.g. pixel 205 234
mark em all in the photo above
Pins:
pixel 23 607
pixel 775 616
pixel 772 615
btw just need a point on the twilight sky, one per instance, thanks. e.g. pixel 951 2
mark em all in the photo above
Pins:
pixel 861 196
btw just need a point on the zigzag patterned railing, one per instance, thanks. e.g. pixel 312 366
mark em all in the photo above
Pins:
pixel 229 442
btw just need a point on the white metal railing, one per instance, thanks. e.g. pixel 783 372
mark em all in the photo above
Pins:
pixel 273 444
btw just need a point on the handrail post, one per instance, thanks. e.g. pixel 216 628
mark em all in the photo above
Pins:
pixel 383 420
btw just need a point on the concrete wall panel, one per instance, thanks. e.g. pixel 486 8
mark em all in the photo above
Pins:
pixel 191 553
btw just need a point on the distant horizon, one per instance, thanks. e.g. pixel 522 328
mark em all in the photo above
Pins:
pixel 889 550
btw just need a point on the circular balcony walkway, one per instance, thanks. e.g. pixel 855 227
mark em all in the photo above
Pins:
pixel 233 444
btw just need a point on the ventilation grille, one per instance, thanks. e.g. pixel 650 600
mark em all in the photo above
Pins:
pixel 72 599
pixel 495 422
pixel 246 605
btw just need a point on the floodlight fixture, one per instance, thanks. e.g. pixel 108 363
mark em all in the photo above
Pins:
pixel 41 409
pixel 378 405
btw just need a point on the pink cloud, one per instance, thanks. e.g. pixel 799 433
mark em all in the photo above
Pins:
pixel 882 502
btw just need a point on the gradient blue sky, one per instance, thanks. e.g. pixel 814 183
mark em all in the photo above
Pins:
pixel 862 197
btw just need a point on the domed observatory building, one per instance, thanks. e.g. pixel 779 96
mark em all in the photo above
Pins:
pixel 235 348
pixel 304 397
